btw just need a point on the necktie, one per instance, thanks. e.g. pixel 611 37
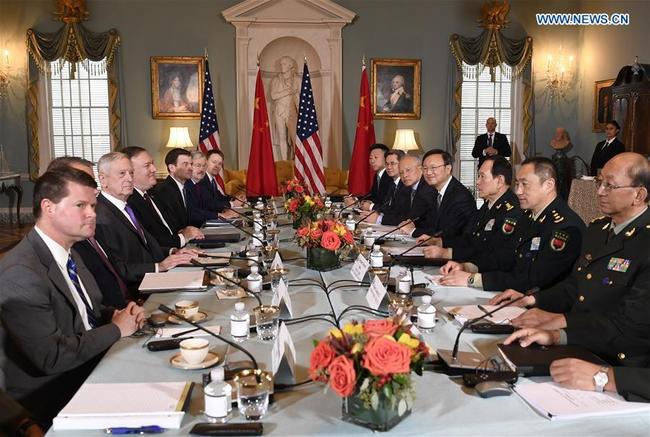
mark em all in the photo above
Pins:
pixel 606 144
pixel 439 200
pixel 109 265
pixel 412 197
pixel 214 186
pixel 378 179
pixel 135 222
pixel 149 201
pixel 489 140
pixel 72 273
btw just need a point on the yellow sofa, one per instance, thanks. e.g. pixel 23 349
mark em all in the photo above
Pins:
pixel 336 181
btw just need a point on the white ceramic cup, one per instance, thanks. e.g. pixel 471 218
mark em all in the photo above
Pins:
pixel 187 308
pixel 194 350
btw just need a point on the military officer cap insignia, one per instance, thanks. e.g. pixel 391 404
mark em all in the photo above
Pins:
pixel 508 226
pixel 558 242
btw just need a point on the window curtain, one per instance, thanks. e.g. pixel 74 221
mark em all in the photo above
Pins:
pixel 75 44
pixel 490 50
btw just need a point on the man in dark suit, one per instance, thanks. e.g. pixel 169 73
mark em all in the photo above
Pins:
pixel 212 196
pixel 393 158
pixel 546 240
pixel 413 198
pixel 491 143
pixel 145 205
pixel 608 291
pixel 198 214
pixel 130 247
pixel 607 149
pixel 452 203
pixel 382 181
pixel 114 290
pixel 53 327
pixel 171 193
pixel 484 230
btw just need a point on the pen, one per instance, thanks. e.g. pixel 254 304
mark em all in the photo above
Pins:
pixel 480 307
pixel 151 429
pixel 180 334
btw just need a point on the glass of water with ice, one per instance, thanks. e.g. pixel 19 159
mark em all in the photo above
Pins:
pixel 266 320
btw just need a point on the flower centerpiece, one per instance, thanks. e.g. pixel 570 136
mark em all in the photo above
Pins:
pixel 369 365
pixel 325 240
pixel 300 205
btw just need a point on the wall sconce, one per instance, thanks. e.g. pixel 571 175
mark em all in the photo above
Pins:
pixel 179 137
pixel 405 140
pixel 5 67
pixel 559 74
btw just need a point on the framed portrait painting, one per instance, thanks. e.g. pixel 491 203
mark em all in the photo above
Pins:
pixel 396 88
pixel 603 105
pixel 176 86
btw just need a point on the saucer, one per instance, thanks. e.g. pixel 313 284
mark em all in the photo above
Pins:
pixel 179 362
pixel 196 318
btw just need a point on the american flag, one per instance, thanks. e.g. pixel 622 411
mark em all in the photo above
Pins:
pixel 309 153
pixel 209 133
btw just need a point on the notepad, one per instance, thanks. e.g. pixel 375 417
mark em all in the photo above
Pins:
pixel 100 406
pixel 170 281
pixel 463 313
pixel 558 403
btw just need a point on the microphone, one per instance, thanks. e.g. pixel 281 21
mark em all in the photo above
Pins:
pixel 227 279
pixel 166 309
pixel 244 216
pixel 468 323
pixel 398 228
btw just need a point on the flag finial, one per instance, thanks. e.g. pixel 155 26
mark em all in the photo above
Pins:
pixel 305 56
pixel 205 53
pixel 258 59
pixel 363 60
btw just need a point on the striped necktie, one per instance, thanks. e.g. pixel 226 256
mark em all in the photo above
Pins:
pixel 72 273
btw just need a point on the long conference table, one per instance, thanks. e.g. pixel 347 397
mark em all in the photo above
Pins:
pixel 443 406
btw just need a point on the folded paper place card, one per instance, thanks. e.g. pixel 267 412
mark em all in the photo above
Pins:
pixel 283 357
pixel 376 293
pixel 359 268
pixel 277 262
pixel 282 299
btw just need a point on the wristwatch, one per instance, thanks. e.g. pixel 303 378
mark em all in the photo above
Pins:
pixel 470 280
pixel 601 379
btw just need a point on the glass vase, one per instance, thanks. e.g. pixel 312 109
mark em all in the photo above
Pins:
pixel 322 260
pixel 383 418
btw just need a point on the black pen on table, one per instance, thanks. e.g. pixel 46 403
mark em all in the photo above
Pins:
pixel 150 429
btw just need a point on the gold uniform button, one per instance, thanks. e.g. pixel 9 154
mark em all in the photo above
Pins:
pixel 621 356
pixel 579 269
pixel 581 298
pixel 588 275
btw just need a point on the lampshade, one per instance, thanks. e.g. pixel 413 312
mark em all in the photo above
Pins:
pixel 179 137
pixel 405 140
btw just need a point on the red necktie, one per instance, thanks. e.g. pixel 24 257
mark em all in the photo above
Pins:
pixel 108 265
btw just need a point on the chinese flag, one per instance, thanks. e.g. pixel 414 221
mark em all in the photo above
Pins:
pixel 361 175
pixel 260 180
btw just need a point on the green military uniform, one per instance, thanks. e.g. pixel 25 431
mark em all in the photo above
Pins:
pixel 485 232
pixel 544 250
pixel 606 299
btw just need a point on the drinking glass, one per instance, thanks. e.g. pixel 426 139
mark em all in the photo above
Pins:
pixel 266 319
pixel 253 389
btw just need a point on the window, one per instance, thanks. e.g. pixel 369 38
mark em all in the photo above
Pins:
pixel 481 99
pixel 79 111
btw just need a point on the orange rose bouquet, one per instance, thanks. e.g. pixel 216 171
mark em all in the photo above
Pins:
pixel 294 188
pixel 328 234
pixel 372 362
pixel 303 208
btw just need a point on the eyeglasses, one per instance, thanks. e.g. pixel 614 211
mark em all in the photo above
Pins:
pixel 432 168
pixel 606 186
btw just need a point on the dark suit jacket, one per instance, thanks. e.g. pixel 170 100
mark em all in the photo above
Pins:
pixel 151 221
pixel 198 213
pixel 45 351
pixel 403 209
pixel 457 208
pixel 379 192
pixel 500 142
pixel 633 383
pixel 608 292
pixel 390 199
pixel 600 156
pixel 211 199
pixel 111 294
pixel 170 202
pixel 131 256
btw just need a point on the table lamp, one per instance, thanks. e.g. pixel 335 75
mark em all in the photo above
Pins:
pixel 179 137
pixel 405 140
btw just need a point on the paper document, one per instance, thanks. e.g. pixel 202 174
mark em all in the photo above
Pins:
pixel 398 250
pixel 463 313
pixel 186 280
pixel 100 406
pixel 558 403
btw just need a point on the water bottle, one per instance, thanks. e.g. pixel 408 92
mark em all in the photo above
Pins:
pixel 257 221
pixel 376 257
pixel 218 397
pixel 426 315
pixel 239 323
pixel 260 204
pixel 404 283
pixel 254 280
pixel 369 238
pixel 350 223
pixel 257 242
pixel 401 302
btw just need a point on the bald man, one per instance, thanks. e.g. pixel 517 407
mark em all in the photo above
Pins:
pixel 605 302
pixel 491 143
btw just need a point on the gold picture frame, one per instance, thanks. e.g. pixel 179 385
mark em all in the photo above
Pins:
pixel 403 102
pixel 602 104
pixel 176 87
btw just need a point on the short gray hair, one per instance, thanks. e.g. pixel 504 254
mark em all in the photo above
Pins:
pixel 197 154
pixel 104 163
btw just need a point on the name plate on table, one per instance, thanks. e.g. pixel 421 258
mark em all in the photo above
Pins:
pixel 376 294
pixel 282 299
pixel 283 357
pixel 277 262
pixel 359 268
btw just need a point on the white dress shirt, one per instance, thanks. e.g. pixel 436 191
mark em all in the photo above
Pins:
pixel 155 207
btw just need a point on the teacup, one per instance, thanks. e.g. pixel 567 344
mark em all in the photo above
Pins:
pixel 187 308
pixel 194 350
